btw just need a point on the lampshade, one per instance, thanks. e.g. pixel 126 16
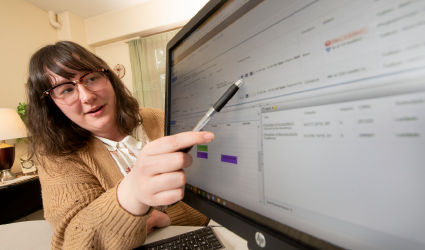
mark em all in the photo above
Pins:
pixel 11 125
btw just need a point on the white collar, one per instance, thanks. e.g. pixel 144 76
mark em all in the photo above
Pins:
pixel 128 142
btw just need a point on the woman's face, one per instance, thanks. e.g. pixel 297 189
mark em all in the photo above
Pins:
pixel 93 111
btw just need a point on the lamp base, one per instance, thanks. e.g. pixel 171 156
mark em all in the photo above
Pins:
pixel 7 175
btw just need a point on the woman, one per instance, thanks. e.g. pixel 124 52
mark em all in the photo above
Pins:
pixel 100 190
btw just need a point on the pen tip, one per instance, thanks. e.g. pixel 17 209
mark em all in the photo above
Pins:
pixel 239 82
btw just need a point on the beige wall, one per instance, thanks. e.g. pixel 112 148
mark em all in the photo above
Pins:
pixel 73 29
pixel 108 32
pixel 24 29
pixel 140 20
pixel 117 53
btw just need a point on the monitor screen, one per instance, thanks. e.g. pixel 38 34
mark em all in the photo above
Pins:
pixel 327 133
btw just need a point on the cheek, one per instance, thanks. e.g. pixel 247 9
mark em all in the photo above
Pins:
pixel 72 111
pixel 112 97
pixel 114 100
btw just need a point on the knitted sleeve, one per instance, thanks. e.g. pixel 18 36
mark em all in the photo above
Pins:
pixel 182 214
pixel 85 216
pixel 153 121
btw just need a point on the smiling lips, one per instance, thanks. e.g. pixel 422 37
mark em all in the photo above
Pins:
pixel 95 110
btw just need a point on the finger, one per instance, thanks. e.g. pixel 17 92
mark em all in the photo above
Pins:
pixel 166 163
pixel 150 224
pixel 173 143
pixel 167 197
pixel 163 220
pixel 167 181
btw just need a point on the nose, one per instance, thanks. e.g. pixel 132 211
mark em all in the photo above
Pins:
pixel 86 95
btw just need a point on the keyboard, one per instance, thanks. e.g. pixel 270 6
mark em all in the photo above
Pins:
pixel 201 239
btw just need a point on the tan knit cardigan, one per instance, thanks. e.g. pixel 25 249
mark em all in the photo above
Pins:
pixel 80 199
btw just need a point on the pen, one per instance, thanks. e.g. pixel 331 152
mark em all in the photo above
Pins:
pixel 224 99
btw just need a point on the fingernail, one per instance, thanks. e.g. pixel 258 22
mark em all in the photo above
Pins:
pixel 209 136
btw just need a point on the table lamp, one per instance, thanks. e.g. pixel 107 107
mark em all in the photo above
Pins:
pixel 11 127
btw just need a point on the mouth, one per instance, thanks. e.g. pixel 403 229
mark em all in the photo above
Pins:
pixel 95 110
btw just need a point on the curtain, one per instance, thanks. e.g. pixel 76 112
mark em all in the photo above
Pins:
pixel 147 57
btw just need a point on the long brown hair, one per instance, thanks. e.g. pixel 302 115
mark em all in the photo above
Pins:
pixel 50 132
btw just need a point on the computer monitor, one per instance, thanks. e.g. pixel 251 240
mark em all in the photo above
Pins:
pixel 324 144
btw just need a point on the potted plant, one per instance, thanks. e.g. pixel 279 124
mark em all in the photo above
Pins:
pixel 22 111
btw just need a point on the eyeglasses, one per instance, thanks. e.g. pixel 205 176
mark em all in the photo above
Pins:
pixel 66 93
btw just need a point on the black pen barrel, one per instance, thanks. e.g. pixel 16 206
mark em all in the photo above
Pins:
pixel 226 97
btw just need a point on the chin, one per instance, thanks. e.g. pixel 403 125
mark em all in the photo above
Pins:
pixel 105 124
pixel 101 124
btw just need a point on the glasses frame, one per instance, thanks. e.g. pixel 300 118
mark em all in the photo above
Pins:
pixel 48 92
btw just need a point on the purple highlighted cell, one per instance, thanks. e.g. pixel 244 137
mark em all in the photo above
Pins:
pixel 229 159
pixel 202 155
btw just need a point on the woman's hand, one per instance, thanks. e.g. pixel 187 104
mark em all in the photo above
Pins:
pixel 157 177
pixel 157 219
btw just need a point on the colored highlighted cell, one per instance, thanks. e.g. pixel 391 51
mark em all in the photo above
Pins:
pixel 202 155
pixel 202 148
pixel 229 159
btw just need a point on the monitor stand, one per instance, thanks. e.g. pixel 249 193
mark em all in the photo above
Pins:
pixel 253 247
pixel 276 245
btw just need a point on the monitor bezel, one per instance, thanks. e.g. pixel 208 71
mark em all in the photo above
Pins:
pixel 235 222
pixel 203 14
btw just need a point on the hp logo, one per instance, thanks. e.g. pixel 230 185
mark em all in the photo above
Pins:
pixel 260 239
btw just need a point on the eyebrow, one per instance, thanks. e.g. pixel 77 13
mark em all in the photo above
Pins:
pixel 57 82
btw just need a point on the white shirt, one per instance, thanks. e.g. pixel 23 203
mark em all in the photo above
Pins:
pixel 125 152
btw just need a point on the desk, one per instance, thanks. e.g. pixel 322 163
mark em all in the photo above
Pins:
pixel 20 200
pixel 32 235
pixel 37 234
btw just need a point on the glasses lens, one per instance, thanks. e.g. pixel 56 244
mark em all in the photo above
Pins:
pixel 94 81
pixel 65 94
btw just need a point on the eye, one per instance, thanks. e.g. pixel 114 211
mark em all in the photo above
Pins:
pixel 92 79
pixel 63 90
pixel 66 90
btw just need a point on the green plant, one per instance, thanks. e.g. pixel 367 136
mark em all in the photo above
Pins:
pixel 22 112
